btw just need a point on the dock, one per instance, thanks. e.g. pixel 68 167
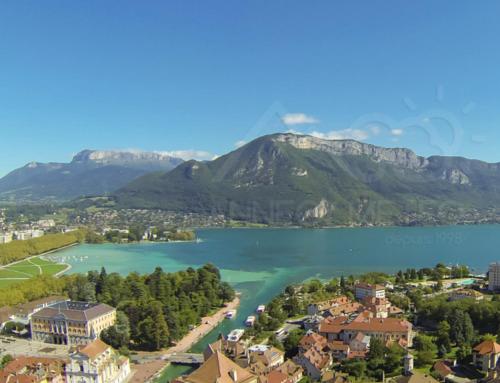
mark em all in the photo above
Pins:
pixel 184 358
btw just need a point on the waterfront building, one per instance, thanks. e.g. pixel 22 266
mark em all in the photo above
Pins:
pixel 494 276
pixel 97 362
pixel 362 290
pixel 72 323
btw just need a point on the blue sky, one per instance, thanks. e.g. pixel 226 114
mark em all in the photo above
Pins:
pixel 206 76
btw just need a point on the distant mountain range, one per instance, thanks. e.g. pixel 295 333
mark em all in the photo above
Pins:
pixel 91 172
pixel 288 178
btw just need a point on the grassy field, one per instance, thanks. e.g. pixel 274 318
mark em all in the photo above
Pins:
pixel 27 269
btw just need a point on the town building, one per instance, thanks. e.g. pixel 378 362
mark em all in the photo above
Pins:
pixel 314 356
pixel 71 323
pixel 292 370
pixel 218 369
pixel 494 276
pixel 319 307
pixel 22 313
pixel 466 294
pixel 33 370
pixel 97 362
pixel 362 290
pixel 386 329
pixel 485 355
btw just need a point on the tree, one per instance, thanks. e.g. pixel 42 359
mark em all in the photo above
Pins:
pixel 426 350
pixel 118 335
pixel 462 329
pixel 393 358
pixel 355 367
pixel 443 336
pixel 291 342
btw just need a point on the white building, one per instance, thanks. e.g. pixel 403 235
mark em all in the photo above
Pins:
pixel 362 290
pixel 5 237
pixel 97 362
pixel 494 276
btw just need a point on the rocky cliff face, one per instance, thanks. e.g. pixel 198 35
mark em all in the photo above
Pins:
pixel 397 156
pixel 115 157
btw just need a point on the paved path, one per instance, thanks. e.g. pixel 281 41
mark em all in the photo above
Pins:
pixel 18 346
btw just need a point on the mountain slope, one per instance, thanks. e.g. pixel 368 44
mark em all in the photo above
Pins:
pixel 287 178
pixel 89 173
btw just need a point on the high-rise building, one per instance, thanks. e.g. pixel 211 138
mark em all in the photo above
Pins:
pixel 494 276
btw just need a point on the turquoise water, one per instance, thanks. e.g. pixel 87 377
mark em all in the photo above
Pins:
pixel 261 262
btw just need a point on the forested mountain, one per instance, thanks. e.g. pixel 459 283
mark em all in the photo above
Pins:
pixel 288 178
pixel 90 172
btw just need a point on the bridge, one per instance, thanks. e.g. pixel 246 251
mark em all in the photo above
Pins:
pixel 184 358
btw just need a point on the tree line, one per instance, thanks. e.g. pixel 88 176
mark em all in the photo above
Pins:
pixel 153 310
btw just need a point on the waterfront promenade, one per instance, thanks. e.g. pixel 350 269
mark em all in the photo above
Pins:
pixel 151 364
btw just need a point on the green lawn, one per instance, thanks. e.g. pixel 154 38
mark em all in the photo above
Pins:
pixel 27 269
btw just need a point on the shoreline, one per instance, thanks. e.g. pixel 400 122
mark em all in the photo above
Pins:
pixel 43 255
pixel 152 370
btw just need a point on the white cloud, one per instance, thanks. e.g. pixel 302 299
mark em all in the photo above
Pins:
pixel 191 154
pixel 240 143
pixel 298 119
pixel 344 134
pixel 396 132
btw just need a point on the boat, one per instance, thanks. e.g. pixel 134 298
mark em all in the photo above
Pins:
pixel 235 335
pixel 250 321
pixel 261 309
pixel 230 314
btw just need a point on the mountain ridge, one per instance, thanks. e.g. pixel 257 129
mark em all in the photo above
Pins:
pixel 90 172
pixel 293 178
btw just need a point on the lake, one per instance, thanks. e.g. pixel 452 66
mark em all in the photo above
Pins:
pixel 262 262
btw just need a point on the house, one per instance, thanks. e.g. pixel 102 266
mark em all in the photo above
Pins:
pixel 319 307
pixel 349 308
pixel 312 339
pixel 71 323
pixel 443 369
pixel 268 356
pixel 315 361
pixel 360 342
pixel 380 307
pixel 235 350
pixel 292 370
pixel 485 355
pixel 339 349
pixel 97 362
pixel 415 377
pixel 334 377
pixel 362 290
pixel 313 356
pixel 218 369
pixel 33 369
pixel 466 294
